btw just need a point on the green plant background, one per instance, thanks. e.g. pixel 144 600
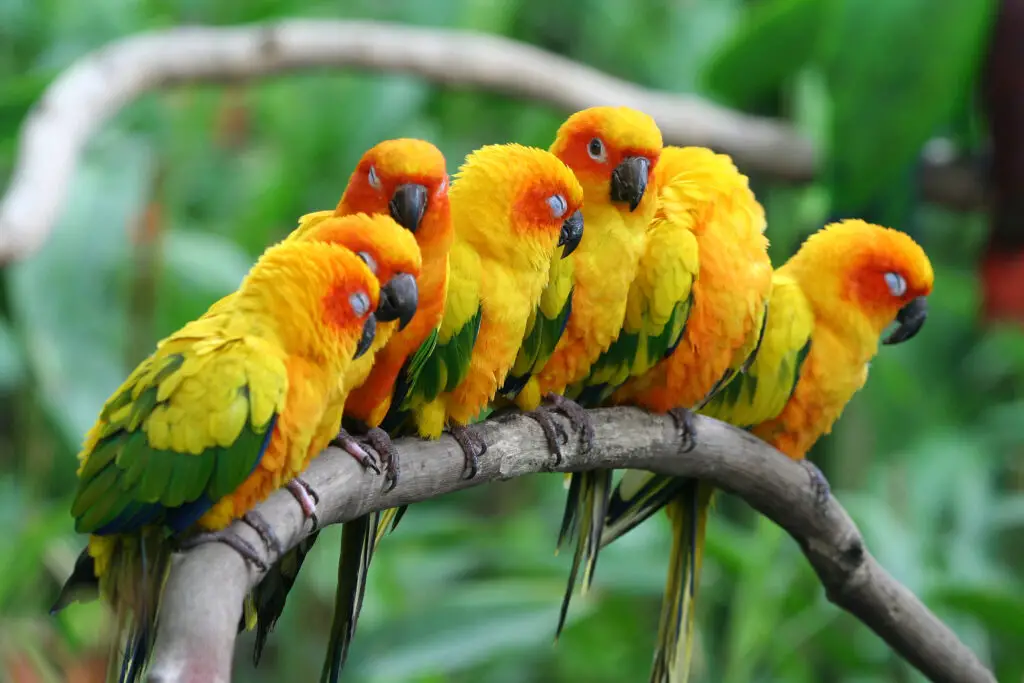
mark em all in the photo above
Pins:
pixel 176 197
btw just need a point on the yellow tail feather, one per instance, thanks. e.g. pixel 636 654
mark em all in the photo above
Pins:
pixel 688 513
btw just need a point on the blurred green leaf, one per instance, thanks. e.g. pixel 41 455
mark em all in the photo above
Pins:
pixel 773 39
pixel 893 77
pixel 999 607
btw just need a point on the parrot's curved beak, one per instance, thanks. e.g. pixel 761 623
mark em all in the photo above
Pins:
pixel 911 319
pixel 571 234
pixel 369 332
pixel 629 181
pixel 408 204
pixel 398 300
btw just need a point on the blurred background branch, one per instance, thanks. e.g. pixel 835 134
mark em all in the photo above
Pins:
pixel 203 596
pixel 98 85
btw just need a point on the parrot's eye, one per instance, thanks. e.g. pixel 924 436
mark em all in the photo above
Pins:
pixel 370 262
pixel 896 284
pixel 558 205
pixel 373 178
pixel 360 303
pixel 596 150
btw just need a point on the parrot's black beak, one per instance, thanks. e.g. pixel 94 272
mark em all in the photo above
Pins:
pixel 911 319
pixel 572 233
pixel 629 181
pixel 369 331
pixel 398 300
pixel 407 205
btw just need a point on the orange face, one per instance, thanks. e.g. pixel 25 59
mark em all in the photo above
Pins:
pixel 352 298
pixel 614 146
pixel 404 178
pixel 390 253
pixel 882 271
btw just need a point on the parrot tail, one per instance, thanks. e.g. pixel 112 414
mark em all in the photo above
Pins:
pixel 585 508
pixel 358 541
pixel 388 521
pixel 688 513
pixel 638 496
pixel 133 582
pixel 266 601
pixel 82 585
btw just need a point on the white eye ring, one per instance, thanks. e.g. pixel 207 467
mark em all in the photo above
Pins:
pixel 558 205
pixel 596 150
pixel 896 284
pixel 373 178
pixel 443 187
pixel 370 262
pixel 360 303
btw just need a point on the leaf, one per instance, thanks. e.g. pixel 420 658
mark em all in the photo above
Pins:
pixel 198 269
pixel 893 78
pixel 998 607
pixel 68 299
pixel 12 359
pixel 773 40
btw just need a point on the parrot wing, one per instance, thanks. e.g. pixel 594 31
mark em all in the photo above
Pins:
pixel 544 327
pixel 185 430
pixel 761 392
pixel 753 396
pixel 442 361
pixel 657 309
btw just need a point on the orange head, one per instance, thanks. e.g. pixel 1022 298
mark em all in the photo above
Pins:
pixel 613 151
pixel 317 298
pixel 388 250
pixel 515 204
pixel 860 277
pixel 407 179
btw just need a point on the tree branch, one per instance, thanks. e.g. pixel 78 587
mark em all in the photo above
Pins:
pixel 98 85
pixel 204 594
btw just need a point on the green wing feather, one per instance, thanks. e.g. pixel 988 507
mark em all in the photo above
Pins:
pixel 657 308
pixel 182 432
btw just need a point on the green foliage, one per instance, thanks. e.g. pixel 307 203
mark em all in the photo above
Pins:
pixel 180 192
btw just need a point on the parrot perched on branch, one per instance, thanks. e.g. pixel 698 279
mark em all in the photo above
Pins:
pixel 408 179
pixel 613 151
pixel 828 306
pixel 511 206
pixel 225 411
pixel 698 296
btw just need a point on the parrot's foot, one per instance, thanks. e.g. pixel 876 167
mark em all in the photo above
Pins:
pixel 687 429
pixel 381 442
pixel 235 542
pixel 819 484
pixel 578 417
pixel 348 444
pixel 553 432
pixel 472 445
pixel 306 497
pixel 267 535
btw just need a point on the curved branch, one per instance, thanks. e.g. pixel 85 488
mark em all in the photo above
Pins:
pixel 97 86
pixel 204 593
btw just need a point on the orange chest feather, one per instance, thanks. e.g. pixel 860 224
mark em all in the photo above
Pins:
pixel 370 401
pixel 295 440
pixel 832 373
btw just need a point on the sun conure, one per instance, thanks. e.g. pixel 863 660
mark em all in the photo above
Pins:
pixel 698 297
pixel 828 306
pixel 407 178
pixel 613 152
pixel 224 412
